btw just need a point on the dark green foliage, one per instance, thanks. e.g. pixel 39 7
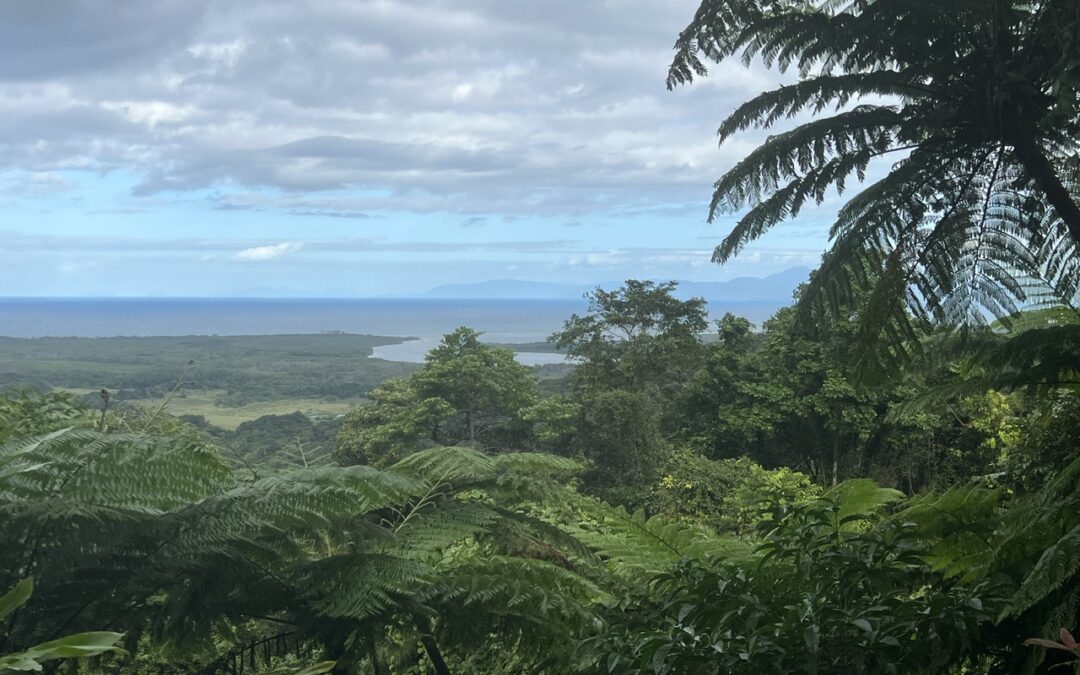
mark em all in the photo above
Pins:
pixel 1048 440
pixel 1026 543
pixel 467 392
pixel 27 413
pixel 825 593
pixel 273 442
pixel 157 537
pixel 72 646
pixel 785 397
pixel 636 547
pixel 977 216
pixel 619 434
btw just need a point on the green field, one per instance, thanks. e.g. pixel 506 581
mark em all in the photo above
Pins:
pixel 204 404
pixel 228 380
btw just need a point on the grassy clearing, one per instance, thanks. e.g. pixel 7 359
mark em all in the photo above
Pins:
pixel 252 369
pixel 203 403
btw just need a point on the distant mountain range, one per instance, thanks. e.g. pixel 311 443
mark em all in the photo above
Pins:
pixel 775 289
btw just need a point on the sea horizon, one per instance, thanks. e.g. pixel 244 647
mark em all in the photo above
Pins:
pixel 501 320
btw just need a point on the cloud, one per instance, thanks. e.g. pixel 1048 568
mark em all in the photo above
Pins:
pixel 21 243
pixel 474 221
pixel 479 106
pixel 36 183
pixel 271 252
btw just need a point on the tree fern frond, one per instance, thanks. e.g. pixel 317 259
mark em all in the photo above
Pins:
pixel 457 465
pixel 635 545
pixel 959 524
pixel 535 590
pixel 1057 566
pixel 362 585
pixel 861 497
pixel 816 93
pixel 436 528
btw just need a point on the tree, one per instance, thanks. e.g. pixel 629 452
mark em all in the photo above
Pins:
pixel 785 397
pixel 979 215
pixel 635 349
pixel 637 336
pixel 483 384
pixel 396 423
pixel 467 392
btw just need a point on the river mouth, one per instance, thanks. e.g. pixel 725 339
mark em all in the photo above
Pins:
pixel 415 350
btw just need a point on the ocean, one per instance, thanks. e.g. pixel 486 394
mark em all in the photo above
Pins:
pixel 507 321
pixel 427 320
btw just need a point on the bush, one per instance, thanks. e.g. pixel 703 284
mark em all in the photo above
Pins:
pixel 824 594
pixel 726 494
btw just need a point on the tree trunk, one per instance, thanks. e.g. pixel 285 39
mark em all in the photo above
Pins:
pixel 435 655
pixel 835 460
pixel 472 427
pixel 1037 164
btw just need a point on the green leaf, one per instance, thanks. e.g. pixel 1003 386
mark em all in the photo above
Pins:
pixel 16 597
pixel 77 645
pixel 73 646
pixel 863 624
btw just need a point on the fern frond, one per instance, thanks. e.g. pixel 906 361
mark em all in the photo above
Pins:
pixel 533 590
pixel 1057 567
pixel 636 545
pixel 861 497
pixel 436 528
pixel 363 585
pixel 455 465
pixel 959 523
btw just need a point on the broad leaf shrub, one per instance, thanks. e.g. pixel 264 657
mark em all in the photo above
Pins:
pixel 824 593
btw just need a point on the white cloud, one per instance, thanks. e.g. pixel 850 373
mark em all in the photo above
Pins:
pixel 271 252
pixel 150 113
pixel 487 106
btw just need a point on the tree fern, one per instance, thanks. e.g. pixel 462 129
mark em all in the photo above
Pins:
pixel 860 497
pixel 958 525
pixel 977 217
pixel 155 536
pixel 637 545
pixel 1057 566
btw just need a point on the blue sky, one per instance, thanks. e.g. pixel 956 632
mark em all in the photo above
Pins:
pixel 358 148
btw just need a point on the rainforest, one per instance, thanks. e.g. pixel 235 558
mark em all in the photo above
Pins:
pixel 881 477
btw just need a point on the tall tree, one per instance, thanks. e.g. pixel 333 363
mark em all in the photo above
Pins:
pixel 639 335
pixel 636 349
pixel 483 384
pixel 467 392
pixel 977 99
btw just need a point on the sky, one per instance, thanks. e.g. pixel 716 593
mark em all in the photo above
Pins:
pixel 351 148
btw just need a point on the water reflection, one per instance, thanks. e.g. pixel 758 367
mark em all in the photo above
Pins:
pixel 414 351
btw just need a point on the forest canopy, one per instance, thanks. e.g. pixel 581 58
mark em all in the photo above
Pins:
pixel 882 477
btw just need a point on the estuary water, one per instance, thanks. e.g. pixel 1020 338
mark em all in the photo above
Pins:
pixel 507 321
